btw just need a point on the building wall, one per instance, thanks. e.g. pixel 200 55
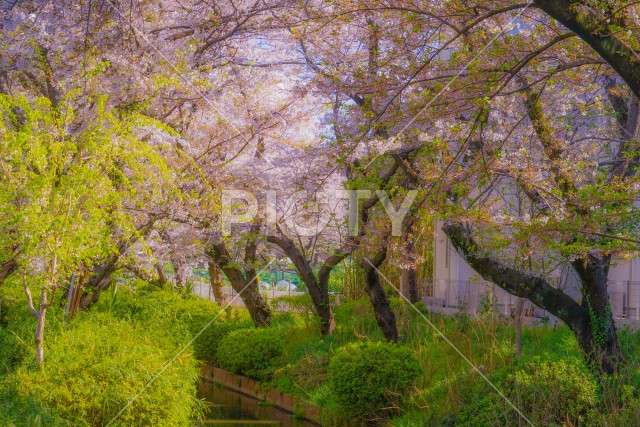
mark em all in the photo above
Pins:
pixel 457 286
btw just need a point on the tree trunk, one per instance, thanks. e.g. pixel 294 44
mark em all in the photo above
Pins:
pixel 319 292
pixel 215 279
pixel 99 281
pixel 591 322
pixel 517 322
pixel 100 278
pixel 597 333
pixel 40 316
pixel 39 337
pixel 162 275
pixel 250 294
pixel 317 286
pixel 408 276
pixel 385 317
pixel 247 288
pixel 257 306
pixel 181 272
pixel 409 284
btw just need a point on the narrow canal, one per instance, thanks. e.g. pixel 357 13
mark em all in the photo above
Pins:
pixel 232 409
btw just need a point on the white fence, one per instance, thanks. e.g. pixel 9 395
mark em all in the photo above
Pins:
pixel 474 297
pixel 204 290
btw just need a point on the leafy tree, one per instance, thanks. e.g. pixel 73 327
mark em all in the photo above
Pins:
pixel 63 192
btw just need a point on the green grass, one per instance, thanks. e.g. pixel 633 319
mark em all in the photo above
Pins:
pixel 448 383
pixel 104 356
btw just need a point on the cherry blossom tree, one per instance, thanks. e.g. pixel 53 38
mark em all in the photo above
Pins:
pixel 518 122
pixel 485 88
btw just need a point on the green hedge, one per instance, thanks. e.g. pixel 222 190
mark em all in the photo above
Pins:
pixel 254 353
pixel 369 378
pixel 206 346
pixel 99 360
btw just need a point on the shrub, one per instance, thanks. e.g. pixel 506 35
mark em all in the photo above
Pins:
pixel 99 360
pixel 369 378
pixel 13 351
pixel 16 410
pixel 547 392
pixel 308 373
pixel 206 345
pixel 251 352
pixel 98 363
pixel 144 302
pixel 165 308
pixel 558 390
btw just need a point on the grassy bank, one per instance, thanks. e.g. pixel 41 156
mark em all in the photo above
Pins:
pixel 95 362
pixel 549 383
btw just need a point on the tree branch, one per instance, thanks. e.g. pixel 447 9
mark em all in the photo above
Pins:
pixel 595 30
pixel 533 288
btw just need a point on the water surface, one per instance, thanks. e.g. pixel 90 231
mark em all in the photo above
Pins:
pixel 229 408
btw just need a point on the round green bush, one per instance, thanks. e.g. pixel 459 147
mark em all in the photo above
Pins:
pixel 559 390
pixel 368 379
pixel 253 353
pixel 547 392
pixel 206 345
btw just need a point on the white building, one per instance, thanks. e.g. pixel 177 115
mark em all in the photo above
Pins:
pixel 456 286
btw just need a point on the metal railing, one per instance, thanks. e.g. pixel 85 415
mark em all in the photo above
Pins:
pixel 474 296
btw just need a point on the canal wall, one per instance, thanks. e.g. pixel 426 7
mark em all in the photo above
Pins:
pixel 252 388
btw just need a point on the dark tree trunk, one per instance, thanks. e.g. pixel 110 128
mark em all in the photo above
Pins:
pixel 322 303
pixel 99 281
pixel 215 279
pixel 408 276
pixel 247 288
pixel 100 277
pixel 318 287
pixel 385 317
pixel 250 295
pixel 257 306
pixel 409 284
pixel 591 322
pixel 597 333
pixel 517 323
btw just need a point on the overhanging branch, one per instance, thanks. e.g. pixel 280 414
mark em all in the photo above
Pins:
pixel 524 285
